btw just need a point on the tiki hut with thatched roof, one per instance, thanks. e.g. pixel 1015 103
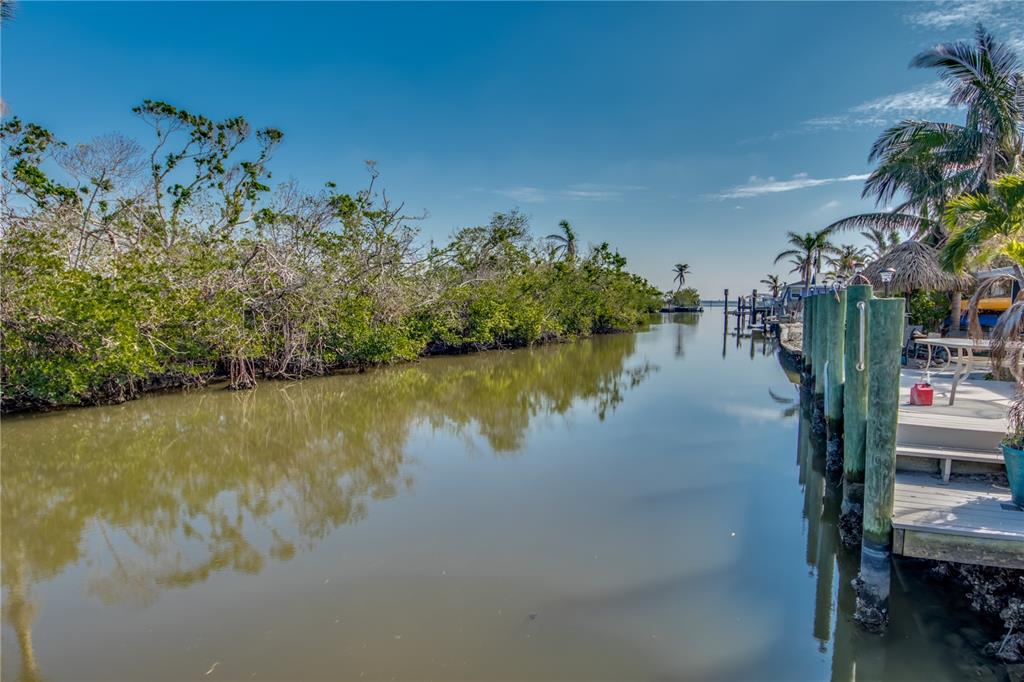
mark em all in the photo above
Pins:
pixel 916 267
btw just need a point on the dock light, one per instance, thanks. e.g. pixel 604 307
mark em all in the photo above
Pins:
pixel 887 276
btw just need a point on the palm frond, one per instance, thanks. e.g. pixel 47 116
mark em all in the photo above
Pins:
pixel 786 254
pixel 979 220
pixel 904 222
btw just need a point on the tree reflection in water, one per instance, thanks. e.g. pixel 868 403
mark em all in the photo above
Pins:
pixel 686 327
pixel 165 491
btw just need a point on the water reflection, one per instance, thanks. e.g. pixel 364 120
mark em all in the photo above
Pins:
pixel 566 512
pixel 164 492
pixel 792 404
pixel 736 327
pixel 686 328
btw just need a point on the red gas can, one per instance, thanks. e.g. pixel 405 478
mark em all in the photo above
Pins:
pixel 921 394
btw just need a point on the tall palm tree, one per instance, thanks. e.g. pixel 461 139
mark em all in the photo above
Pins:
pixel 927 163
pixel 773 283
pixel 810 249
pixel 681 270
pixel 565 243
pixel 845 260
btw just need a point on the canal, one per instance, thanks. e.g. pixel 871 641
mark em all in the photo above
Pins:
pixel 632 506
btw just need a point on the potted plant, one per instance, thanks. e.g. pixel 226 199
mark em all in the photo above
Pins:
pixel 1013 450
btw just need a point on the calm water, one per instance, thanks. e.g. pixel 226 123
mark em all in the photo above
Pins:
pixel 632 506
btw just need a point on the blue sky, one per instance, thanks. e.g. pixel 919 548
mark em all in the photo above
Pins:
pixel 678 132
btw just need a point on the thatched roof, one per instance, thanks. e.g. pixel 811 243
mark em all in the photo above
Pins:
pixel 917 267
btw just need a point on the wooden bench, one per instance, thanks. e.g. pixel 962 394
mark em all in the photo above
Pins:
pixel 945 456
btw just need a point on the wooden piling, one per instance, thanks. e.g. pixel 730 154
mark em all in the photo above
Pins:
pixel 812 341
pixel 855 411
pixel 885 319
pixel 726 300
pixel 821 323
pixel 808 313
pixel 836 359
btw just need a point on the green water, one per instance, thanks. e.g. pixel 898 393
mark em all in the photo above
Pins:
pixel 631 506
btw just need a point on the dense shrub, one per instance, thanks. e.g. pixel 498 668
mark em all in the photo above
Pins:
pixel 928 308
pixel 122 274
pixel 688 297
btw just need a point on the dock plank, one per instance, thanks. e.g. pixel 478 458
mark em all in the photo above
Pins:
pixel 939 452
pixel 937 419
pixel 965 508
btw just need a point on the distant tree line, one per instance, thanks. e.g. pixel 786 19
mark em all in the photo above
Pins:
pixel 128 268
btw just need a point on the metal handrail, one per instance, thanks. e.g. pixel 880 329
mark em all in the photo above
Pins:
pixel 861 306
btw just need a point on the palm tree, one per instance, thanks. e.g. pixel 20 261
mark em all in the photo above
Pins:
pixel 565 243
pixel 986 78
pixel 799 263
pixel 928 163
pixel 880 242
pixel 681 270
pixel 774 283
pixel 810 249
pixel 845 260
pixel 983 226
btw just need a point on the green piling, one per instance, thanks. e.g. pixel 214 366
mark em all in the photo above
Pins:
pixel 835 357
pixel 806 331
pixel 821 323
pixel 885 319
pixel 808 346
pixel 855 411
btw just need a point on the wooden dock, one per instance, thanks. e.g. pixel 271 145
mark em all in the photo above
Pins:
pixel 967 521
pixel 955 518
pixel 917 481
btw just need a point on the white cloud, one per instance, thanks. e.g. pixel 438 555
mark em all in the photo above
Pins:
pixel 996 14
pixel 829 205
pixel 945 14
pixel 929 99
pixel 932 98
pixel 584 191
pixel 756 186
pixel 528 195
pixel 1002 17
pixel 920 100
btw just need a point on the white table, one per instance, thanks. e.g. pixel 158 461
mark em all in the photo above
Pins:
pixel 962 356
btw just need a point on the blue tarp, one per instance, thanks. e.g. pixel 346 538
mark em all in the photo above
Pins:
pixel 986 319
